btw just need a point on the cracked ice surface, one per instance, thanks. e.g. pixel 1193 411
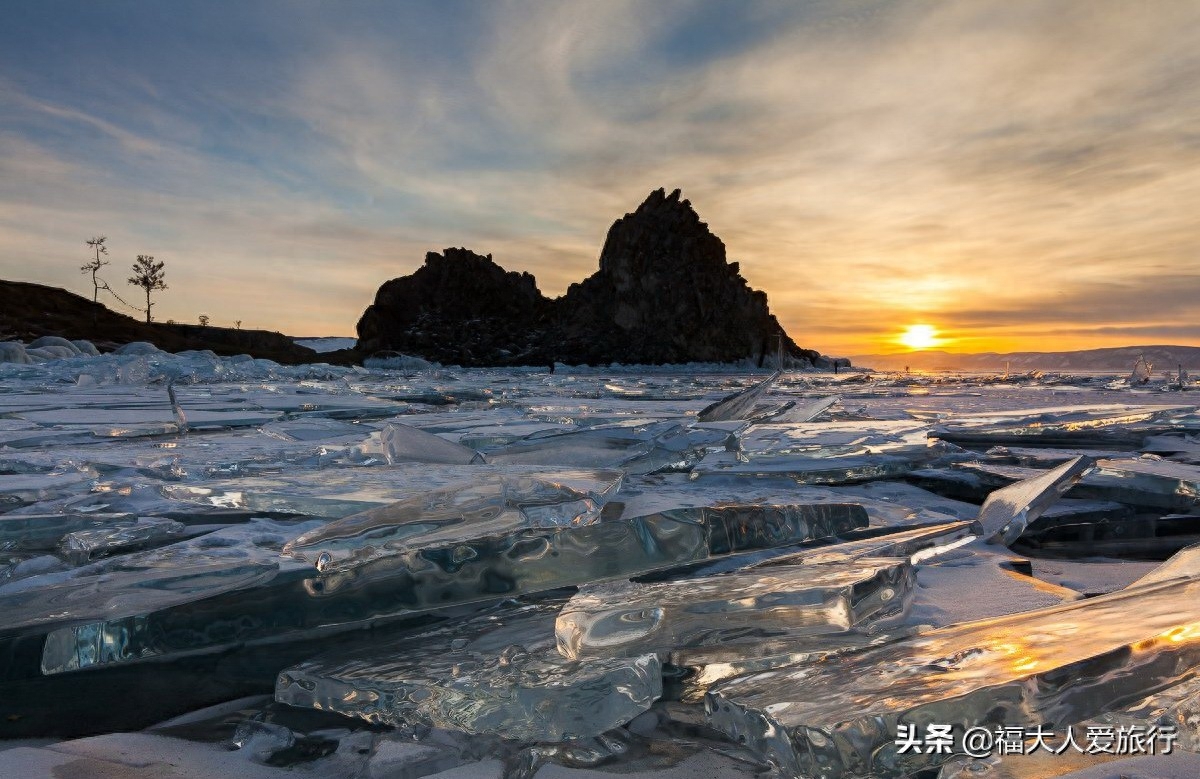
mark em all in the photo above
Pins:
pixel 130 551
pixel 620 618
pixel 498 673
pixel 1054 666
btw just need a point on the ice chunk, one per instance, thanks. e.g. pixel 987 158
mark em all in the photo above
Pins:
pixel 1007 511
pixel 1176 707
pixel 692 672
pixel 1055 667
pixel 404 444
pixel 117 594
pixel 813 470
pixel 804 411
pixel 498 674
pixel 916 544
pixel 623 618
pixel 1183 564
pixel 494 504
pixel 474 566
pixel 738 405
pixel 79 546
pixel 42 532
pixel 636 448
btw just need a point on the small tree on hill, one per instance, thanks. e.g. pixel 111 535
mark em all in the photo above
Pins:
pixel 204 320
pixel 148 275
pixel 95 264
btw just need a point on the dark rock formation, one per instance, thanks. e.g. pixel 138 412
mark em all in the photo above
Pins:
pixel 664 293
pixel 462 308
pixel 30 311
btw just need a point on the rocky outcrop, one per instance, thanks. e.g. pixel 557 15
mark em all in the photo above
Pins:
pixel 461 308
pixel 29 312
pixel 664 293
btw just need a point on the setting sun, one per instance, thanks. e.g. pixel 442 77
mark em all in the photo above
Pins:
pixel 919 337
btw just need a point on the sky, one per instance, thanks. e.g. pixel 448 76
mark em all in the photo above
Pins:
pixel 1014 174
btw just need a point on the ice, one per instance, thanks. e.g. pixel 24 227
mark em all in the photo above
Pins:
pixel 1055 666
pixel 739 405
pixel 409 444
pixel 106 598
pixel 472 567
pixel 80 546
pixel 917 545
pixel 635 446
pixel 1183 564
pixel 623 618
pixel 118 594
pixel 498 674
pixel 27 532
pixel 804 412
pixel 813 470
pixel 1007 511
pixel 491 505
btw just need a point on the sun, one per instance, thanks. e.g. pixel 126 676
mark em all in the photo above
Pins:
pixel 919 337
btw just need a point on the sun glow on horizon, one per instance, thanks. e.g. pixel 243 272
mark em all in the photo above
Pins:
pixel 918 337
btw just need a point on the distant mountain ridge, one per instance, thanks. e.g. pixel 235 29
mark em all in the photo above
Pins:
pixel 1119 358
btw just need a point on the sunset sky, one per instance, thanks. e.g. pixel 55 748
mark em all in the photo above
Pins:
pixel 1016 175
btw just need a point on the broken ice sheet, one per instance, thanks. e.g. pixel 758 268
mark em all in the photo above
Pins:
pixel 1176 707
pixel 337 492
pixel 917 545
pixel 1007 511
pixel 494 503
pixel 473 567
pixel 1055 666
pixel 833 439
pixel 813 470
pixel 403 444
pixel 635 448
pixel 79 599
pixel 42 532
pixel 803 410
pixel 692 672
pixel 738 405
pixel 622 618
pixel 496 674
pixel 79 546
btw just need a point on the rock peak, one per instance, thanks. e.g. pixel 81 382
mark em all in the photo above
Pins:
pixel 664 293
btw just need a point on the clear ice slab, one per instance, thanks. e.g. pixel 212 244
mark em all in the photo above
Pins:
pixel 494 503
pixel 916 545
pixel 44 532
pixel 496 674
pixel 404 444
pixel 623 618
pixel 805 411
pixel 80 546
pixel 1055 667
pixel 739 405
pixel 813 470
pixel 1007 511
pixel 459 568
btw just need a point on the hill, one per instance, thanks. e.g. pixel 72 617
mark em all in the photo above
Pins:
pixel 29 311
pixel 664 293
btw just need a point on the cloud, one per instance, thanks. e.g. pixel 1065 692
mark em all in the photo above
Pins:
pixel 1006 170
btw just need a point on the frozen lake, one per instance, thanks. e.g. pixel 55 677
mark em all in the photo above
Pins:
pixel 225 567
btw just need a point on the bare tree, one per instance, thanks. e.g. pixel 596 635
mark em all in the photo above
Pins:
pixel 95 264
pixel 204 320
pixel 238 324
pixel 148 275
